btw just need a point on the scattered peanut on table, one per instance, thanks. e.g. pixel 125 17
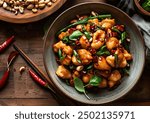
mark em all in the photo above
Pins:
pixel 19 6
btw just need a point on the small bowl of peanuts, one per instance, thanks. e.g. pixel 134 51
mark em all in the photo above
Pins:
pixel 94 56
pixel 24 11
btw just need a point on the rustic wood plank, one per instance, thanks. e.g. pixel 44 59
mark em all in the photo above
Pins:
pixel 28 102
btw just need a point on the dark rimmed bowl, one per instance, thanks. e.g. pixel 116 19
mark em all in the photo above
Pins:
pixel 137 50
pixel 140 9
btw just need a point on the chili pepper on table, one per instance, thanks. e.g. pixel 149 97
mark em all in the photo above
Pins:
pixel 5 76
pixel 6 43
pixel 37 79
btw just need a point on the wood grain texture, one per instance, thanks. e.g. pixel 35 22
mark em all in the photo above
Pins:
pixel 29 16
pixel 21 90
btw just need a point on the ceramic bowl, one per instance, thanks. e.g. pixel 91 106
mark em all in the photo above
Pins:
pixel 140 9
pixel 137 50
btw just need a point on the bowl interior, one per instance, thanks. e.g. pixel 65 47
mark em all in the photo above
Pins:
pixel 136 46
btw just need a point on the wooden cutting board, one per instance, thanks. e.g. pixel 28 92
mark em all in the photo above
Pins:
pixel 29 16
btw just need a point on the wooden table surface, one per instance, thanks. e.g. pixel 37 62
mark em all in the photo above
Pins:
pixel 22 90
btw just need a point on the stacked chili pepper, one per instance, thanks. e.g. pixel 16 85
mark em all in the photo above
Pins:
pixel 11 57
pixel 6 43
pixel 5 76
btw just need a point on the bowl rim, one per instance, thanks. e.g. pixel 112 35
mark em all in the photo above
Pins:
pixel 94 102
pixel 140 8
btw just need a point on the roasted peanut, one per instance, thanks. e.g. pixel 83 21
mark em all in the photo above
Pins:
pixel 34 10
pixel 16 6
pixel 30 6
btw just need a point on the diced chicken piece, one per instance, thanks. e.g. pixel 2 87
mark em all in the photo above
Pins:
pixel 75 74
pixel 123 63
pixel 111 60
pixel 112 42
pixel 84 42
pixel 115 76
pixel 75 61
pixel 79 27
pixel 111 83
pixel 62 35
pixel 121 59
pixel 86 78
pixel 107 23
pixel 94 21
pixel 127 55
pixel 104 73
pixel 85 56
pixel 103 83
pixel 63 73
pixel 87 27
pixel 66 60
pixel 58 46
pixel 98 39
pixel 102 64
pixel 67 50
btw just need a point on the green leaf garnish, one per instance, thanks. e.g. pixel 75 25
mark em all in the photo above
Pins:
pixel 75 53
pixel 87 34
pixel 116 30
pixel 59 53
pixel 75 35
pixel 61 56
pixel 103 51
pixel 95 80
pixel 89 67
pixel 66 39
pixel 123 37
pixel 116 59
pixel 146 5
pixel 84 21
pixel 79 86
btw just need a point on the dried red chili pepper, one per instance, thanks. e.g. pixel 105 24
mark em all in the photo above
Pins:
pixel 38 79
pixel 5 76
pixel 6 43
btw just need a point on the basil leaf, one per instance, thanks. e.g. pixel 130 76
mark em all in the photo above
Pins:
pixel 66 39
pixel 95 80
pixel 75 35
pixel 100 53
pixel 79 86
pixel 103 51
